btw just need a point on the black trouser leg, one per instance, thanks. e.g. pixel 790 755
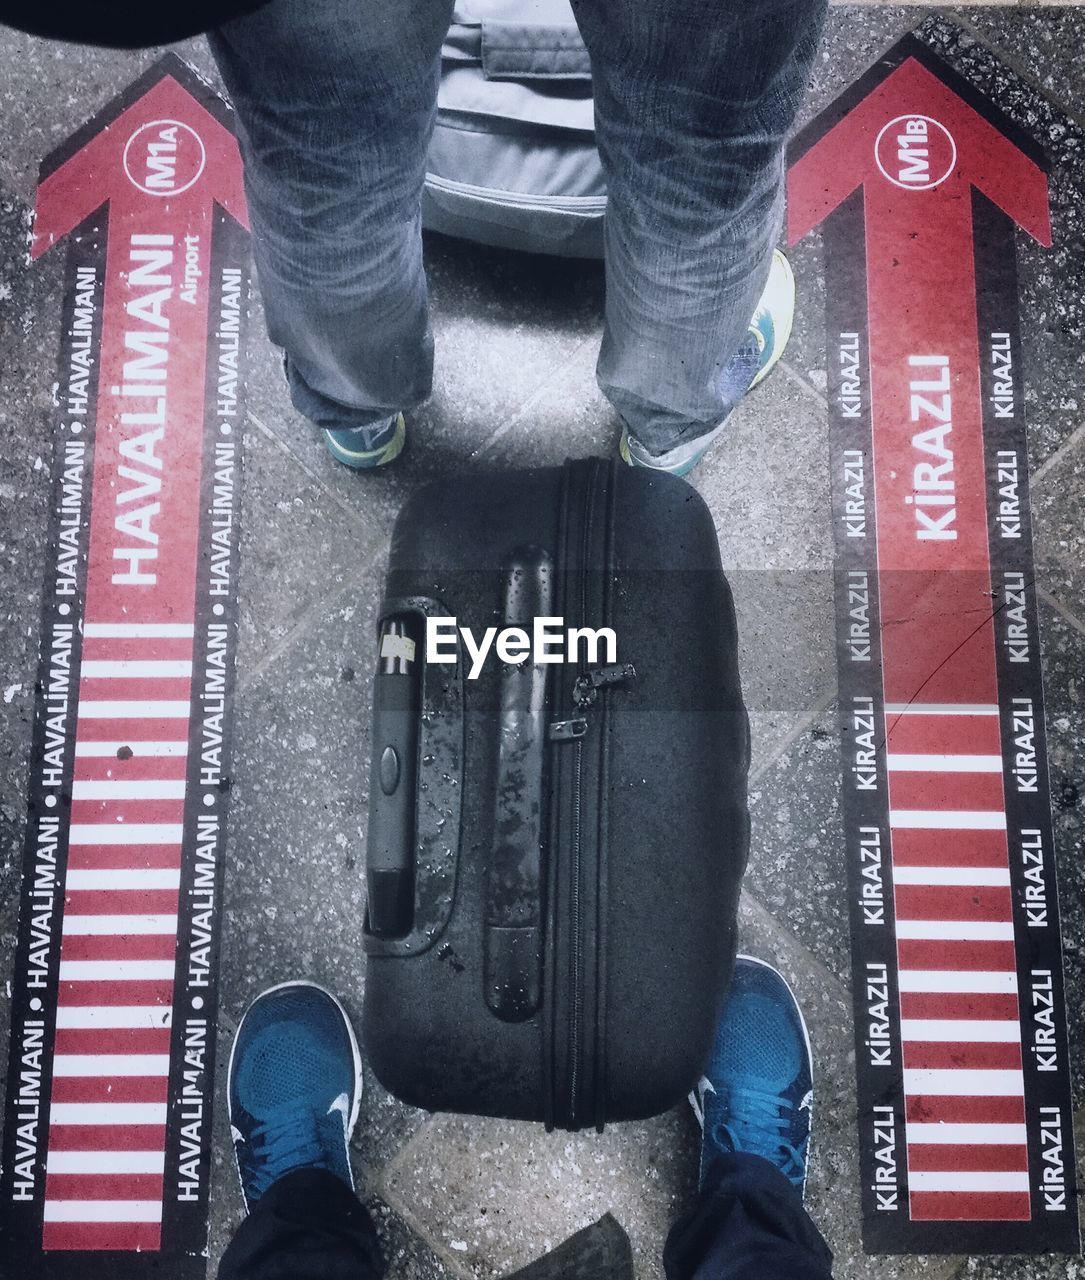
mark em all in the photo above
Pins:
pixel 307 1226
pixel 747 1223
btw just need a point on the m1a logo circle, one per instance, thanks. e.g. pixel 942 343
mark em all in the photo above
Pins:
pixel 164 158
pixel 915 152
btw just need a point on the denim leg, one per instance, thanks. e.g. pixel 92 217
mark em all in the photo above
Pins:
pixel 335 105
pixel 694 100
pixel 747 1223
pixel 307 1226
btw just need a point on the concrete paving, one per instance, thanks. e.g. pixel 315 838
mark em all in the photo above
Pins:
pixel 517 339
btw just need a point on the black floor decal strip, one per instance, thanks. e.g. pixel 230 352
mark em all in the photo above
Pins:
pixel 108 1121
pixel 965 1123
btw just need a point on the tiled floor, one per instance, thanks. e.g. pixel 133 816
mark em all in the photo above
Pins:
pixel 516 348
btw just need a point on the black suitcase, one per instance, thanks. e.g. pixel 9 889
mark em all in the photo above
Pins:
pixel 555 848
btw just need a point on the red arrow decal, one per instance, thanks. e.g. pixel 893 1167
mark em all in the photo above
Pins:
pixel 155 174
pixel 160 165
pixel 917 150
pixel 863 150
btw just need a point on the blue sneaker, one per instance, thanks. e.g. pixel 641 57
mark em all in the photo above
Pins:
pixel 294 1087
pixel 769 332
pixel 758 1090
pixel 345 447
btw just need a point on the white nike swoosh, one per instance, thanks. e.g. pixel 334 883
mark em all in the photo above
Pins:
pixel 704 1087
pixel 342 1105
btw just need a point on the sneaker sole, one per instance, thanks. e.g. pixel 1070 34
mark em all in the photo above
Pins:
pixel 356 1054
pixel 682 469
pixel 369 459
pixel 781 344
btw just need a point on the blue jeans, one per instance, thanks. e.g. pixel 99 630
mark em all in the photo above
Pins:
pixel 694 100
pixel 747 1223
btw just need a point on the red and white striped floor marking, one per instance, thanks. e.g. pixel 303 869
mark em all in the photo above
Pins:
pixel 159 264
pixel 107 1122
pixel 955 942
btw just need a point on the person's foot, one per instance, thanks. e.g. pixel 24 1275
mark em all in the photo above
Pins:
pixel 294 1087
pixel 347 446
pixel 757 1091
pixel 769 331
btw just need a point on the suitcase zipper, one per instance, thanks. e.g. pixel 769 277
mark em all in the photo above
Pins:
pixel 578 956
pixel 588 206
pixel 585 695
pixel 586 549
pixel 585 692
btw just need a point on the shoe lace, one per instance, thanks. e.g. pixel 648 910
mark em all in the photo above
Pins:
pixel 761 1124
pixel 289 1139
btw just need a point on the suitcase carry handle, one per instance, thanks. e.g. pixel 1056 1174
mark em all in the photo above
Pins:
pixel 510 44
pixel 533 51
pixel 514 930
pixel 415 798
pixel 397 702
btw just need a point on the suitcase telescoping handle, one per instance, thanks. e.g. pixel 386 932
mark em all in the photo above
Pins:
pixel 514 928
pixel 397 703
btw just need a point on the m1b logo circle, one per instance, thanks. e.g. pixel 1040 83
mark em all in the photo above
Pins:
pixel 164 158
pixel 915 153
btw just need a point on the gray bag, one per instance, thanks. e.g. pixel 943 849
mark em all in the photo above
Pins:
pixel 513 160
